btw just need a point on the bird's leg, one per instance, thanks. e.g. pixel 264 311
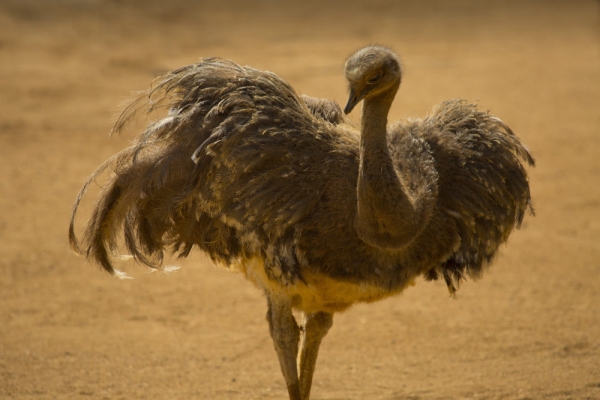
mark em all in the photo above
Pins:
pixel 285 334
pixel 314 328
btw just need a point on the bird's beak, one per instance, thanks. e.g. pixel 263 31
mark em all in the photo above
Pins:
pixel 353 100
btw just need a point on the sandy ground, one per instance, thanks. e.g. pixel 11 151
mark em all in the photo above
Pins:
pixel 530 329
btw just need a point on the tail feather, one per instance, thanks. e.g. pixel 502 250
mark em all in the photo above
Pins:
pixel 100 236
pixel 110 163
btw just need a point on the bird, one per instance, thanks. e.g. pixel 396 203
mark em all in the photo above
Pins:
pixel 317 212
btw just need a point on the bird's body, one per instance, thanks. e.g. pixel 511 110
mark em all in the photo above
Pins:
pixel 317 214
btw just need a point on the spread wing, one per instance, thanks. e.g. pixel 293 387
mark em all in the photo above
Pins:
pixel 483 187
pixel 230 169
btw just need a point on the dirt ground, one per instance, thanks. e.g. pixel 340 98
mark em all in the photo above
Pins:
pixel 530 329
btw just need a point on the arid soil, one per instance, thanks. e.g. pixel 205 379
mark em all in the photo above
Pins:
pixel 530 329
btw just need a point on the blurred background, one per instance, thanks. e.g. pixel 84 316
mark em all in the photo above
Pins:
pixel 528 330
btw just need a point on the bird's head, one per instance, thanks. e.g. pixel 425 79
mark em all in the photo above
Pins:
pixel 371 72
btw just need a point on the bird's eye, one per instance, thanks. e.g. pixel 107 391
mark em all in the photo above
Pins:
pixel 374 78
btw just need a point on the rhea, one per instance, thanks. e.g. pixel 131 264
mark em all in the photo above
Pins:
pixel 316 213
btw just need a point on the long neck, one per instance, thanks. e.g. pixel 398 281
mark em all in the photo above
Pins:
pixel 387 217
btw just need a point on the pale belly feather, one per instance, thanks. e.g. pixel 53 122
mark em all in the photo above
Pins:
pixel 317 292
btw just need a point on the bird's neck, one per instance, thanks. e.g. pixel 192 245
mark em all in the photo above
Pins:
pixel 374 123
pixel 387 217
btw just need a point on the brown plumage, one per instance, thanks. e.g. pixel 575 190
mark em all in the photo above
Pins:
pixel 317 214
